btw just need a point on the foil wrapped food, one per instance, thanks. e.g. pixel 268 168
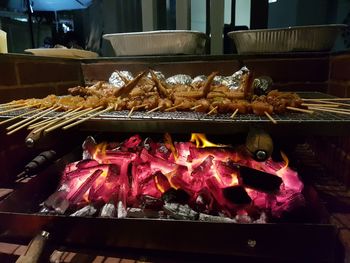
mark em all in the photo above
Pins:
pixel 117 79
pixel 181 79
pixel 158 74
pixel 233 82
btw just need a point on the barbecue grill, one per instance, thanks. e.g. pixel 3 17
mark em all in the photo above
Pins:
pixel 309 237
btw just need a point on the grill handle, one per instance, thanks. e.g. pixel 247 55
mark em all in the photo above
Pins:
pixel 35 249
pixel 259 144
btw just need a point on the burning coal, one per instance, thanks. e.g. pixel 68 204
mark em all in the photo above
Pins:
pixel 195 180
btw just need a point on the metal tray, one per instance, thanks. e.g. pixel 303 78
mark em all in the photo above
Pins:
pixel 299 38
pixel 161 42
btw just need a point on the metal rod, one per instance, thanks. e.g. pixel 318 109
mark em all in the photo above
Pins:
pixel 30 22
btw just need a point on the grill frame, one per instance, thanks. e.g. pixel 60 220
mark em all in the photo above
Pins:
pixel 310 242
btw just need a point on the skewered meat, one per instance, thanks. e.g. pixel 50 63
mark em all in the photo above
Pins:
pixel 149 92
pixel 259 107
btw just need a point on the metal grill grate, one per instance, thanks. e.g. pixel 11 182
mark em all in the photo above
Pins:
pixel 217 123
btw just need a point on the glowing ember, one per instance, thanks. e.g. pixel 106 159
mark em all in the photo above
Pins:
pixel 216 180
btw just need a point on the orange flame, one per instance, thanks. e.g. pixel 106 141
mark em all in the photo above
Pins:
pixel 234 179
pixel 281 171
pixel 202 142
pixel 169 177
pixel 159 187
pixel 169 144
pixel 100 152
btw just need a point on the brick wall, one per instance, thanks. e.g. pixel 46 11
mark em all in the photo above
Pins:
pixel 23 76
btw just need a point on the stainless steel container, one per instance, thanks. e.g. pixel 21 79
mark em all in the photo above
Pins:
pixel 157 42
pixel 301 38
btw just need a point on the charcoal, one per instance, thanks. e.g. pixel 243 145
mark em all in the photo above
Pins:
pixel 121 210
pixel 108 210
pixel 244 219
pixel 175 196
pixel 182 212
pixel 237 195
pixel 149 202
pixel 88 210
pixel 58 202
pixel 143 213
pixel 262 219
pixel 134 212
pixel 218 219
pixel 259 180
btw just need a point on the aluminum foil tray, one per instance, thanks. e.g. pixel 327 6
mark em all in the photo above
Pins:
pixel 163 42
pixel 301 38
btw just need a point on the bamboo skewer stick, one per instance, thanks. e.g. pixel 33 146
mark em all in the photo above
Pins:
pixel 154 109
pixel 86 118
pixel 33 120
pixel 52 122
pixel 330 110
pixel 270 117
pixel 29 118
pixel 19 108
pixel 320 105
pixel 335 109
pixel 212 110
pixel 72 119
pixel 140 106
pixel 12 106
pixel 56 118
pixel 131 111
pixel 43 122
pixel 196 107
pixel 234 114
pixel 331 102
pixel 8 103
pixel 299 110
pixel 174 107
pixel 19 116
pixel 335 99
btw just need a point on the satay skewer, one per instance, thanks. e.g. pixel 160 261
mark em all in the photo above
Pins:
pixel 131 111
pixel 33 120
pixel 321 105
pixel 330 102
pixel 212 110
pixel 234 114
pixel 174 107
pixel 9 103
pixel 207 84
pixel 19 116
pixel 60 124
pixel 52 122
pixel 330 110
pixel 30 118
pixel 19 108
pixel 87 118
pixel 58 117
pixel 196 107
pixel 12 106
pixel 335 109
pixel 334 99
pixel 299 110
pixel 154 109
pixel 270 117
pixel 44 122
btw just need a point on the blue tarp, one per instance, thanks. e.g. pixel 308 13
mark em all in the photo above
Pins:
pixel 58 5
pixel 49 5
